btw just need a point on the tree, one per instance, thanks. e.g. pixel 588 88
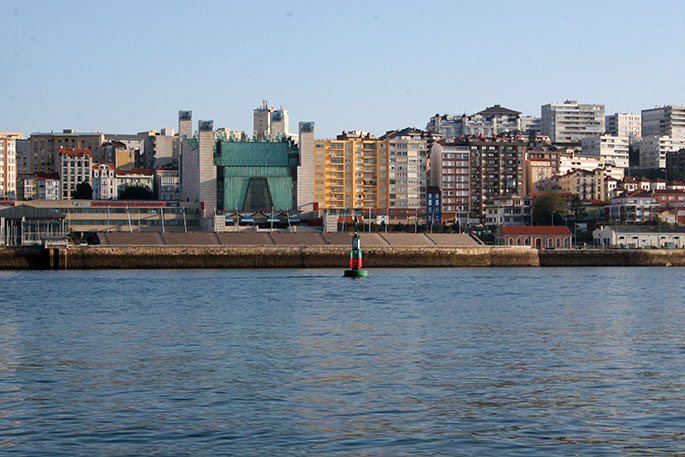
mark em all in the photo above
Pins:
pixel 83 191
pixel 136 192
pixel 549 209
pixel 577 208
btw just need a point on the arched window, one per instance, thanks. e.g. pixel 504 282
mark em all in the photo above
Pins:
pixel 566 243
pixel 518 241
pixel 549 243
pixel 511 241
pixel 558 242
pixel 527 241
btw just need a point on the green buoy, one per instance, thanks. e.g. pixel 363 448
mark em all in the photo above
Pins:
pixel 355 270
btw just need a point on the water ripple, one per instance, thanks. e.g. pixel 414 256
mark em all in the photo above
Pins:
pixel 443 362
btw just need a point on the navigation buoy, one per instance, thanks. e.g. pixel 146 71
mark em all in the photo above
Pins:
pixel 355 270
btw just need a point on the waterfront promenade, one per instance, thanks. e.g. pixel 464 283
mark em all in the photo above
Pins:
pixel 314 250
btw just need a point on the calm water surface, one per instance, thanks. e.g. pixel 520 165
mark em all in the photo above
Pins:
pixel 436 362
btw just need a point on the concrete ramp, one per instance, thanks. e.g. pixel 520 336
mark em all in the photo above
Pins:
pixel 134 239
pixel 298 239
pixel 407 239
pixel 453 239
pixel 372 239
pixel 190 239
pixel 338 239
pixel 245 239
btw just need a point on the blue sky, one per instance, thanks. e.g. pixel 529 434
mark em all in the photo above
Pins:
pixel 128 66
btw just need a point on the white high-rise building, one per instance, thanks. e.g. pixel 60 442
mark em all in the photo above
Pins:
pixel 198 173
pixel 8 164
pixel 569 122
pixel 624 124
pixel 614 149
pixel 270 122
pixel 305 170
pixel 185 124
pixel 408 151
pixel 653 149
pixel 666 120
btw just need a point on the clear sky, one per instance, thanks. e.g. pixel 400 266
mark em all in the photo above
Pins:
pixel 127 66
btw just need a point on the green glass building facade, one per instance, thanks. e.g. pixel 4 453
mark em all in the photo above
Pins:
pixel 256 175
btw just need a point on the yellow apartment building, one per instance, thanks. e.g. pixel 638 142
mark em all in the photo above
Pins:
pixel 351 172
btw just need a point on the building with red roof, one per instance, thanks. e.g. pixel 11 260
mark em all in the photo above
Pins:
pixel 537 236
pixel 104 182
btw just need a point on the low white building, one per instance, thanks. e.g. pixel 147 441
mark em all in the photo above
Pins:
pixel 104 182
pixel 639 237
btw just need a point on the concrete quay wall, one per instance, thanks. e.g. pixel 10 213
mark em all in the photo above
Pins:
pixel 292 257
pixel 164 257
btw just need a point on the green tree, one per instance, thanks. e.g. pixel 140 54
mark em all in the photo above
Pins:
pixel 577 208
pixel 136 192
pixel 549 209
pixel 649 173
pixel 83 191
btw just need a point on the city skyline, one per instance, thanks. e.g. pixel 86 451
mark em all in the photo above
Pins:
pixel 346 66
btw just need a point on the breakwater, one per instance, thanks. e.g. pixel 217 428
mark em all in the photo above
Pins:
pixel 178 257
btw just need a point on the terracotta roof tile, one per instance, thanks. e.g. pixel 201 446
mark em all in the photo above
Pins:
pixel 535 230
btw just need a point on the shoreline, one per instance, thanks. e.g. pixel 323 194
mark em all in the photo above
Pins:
pixel 210 257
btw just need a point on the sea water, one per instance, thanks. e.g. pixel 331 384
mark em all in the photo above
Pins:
pixel 406 362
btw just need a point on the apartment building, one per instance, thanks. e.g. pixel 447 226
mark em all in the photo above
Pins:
pixel 134 177
pixel 494 167
pixel 168 183
pixel 571 161
pixel 270 122
pixel 351 172
pixel 538 172
pixel 450 172
pixel 408 152
pixel 675 163
pixel 48 186
pixel 624 124
pixel 634 208
pixel 571 121
pixel 44 149
pixel 666 120
pixel 494 120
pixel 74 167
pixel 547 153
pixel 497 168
pixel 515 210
pixel 587 185
pixel 103 182
pixel 613 148
pixel 8 166
pixel 653 150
